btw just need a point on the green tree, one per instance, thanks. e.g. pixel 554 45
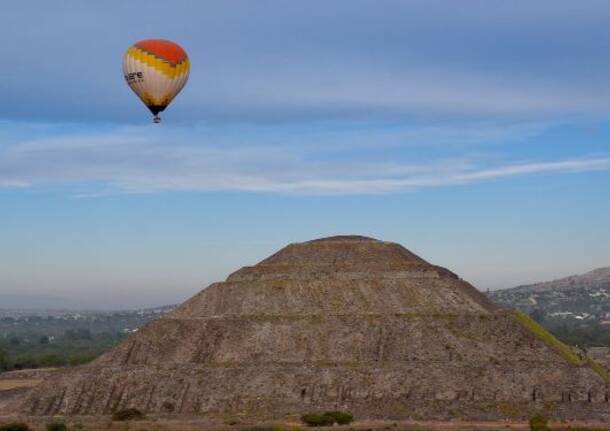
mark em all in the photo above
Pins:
pixel 539 423
pixel 4 360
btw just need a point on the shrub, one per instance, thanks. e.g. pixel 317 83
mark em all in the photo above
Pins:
pixel 539 423
pixel 5 363
pixel 342 418
pixel 271 427
pixel 128 415
pixel 317 419
pixel 327 418
pixel 260 428
pixel 15 426
pixel 57 426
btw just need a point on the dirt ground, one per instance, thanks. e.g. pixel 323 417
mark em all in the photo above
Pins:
pixel 16 383
pixel 99 424
pixel 7 385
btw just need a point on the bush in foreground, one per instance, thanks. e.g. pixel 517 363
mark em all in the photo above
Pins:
pixel 15 426
pixel 128 415
pixel 327 418
pixel 317 419
pixel 342 418
pixel 539 423
pixel 57 426
pixel 271 427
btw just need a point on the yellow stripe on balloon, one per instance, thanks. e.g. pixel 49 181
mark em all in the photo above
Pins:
pixel 158 64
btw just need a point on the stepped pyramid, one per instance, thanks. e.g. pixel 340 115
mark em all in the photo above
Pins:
pixel 345 322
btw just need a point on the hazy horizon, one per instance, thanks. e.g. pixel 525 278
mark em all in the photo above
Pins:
pixel 49 302
pixel 475 134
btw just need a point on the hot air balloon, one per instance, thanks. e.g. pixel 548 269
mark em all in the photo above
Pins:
pixel 156 70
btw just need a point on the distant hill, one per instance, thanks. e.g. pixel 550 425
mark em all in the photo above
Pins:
pixel 581 298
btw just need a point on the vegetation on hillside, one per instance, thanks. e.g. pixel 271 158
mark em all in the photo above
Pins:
pixel 594 334
pixel 547 337
pixel 566 351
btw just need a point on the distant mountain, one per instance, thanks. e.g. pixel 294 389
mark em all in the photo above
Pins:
pixel 583 297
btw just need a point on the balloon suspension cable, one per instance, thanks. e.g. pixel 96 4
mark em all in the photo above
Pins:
pixel 156 119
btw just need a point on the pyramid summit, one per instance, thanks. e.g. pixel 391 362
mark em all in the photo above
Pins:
pixel 345 322
pixel 339 276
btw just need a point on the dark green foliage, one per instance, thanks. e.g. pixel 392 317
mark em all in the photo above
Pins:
pixel 581 335
pixel 32 341
pixel 342 418
pixel 57 426
pixel 5 363
pixel 15 426
pixel 327 418
pixel 271 427
pixel 539 423
pixel 78 334
pixel 32 352
pixel 81 358
pixel 128 415
pixel 317 419
pixel 51 360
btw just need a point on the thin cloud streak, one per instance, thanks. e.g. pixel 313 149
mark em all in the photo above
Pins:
pixel 126 164
pixel 431 180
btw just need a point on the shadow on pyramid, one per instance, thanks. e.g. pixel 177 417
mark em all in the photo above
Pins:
pixel 344 322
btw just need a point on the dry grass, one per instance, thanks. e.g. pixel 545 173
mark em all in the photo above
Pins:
pixel 8 384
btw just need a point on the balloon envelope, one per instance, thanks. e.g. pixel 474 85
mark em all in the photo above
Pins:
pixel 156 70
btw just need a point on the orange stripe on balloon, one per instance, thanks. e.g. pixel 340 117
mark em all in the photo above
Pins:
pixel 164 49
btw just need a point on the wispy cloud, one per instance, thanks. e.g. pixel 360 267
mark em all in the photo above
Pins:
pixel 131 161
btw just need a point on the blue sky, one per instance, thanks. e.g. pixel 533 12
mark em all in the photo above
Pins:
pixel 476 133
